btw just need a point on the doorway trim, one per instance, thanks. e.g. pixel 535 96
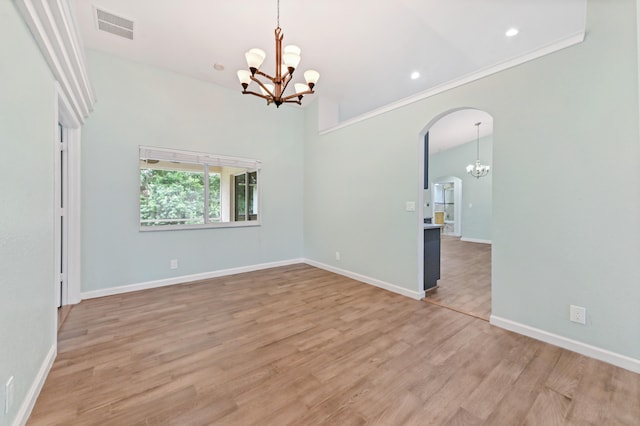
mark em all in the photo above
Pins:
pixel 65 116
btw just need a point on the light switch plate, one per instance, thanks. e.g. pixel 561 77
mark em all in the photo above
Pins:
pixel 411 206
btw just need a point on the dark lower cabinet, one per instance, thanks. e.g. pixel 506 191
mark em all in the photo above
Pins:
pixel 431 257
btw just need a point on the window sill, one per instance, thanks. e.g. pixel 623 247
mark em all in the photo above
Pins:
pixel 253 223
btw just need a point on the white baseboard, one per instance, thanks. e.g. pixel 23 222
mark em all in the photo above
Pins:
pixel 185 279
pixel 609 357
pixel 368 280
pixel 224 272
pixel 34 391
pixel 475 240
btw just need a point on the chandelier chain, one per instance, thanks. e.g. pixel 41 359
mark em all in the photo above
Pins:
pixel 478 141
pixel 278 13
pixel 478 170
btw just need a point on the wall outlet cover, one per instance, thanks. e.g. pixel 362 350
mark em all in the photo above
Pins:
pixel 578 314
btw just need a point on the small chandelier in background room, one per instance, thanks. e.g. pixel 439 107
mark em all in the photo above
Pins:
pixel 478 170
pixel 286 62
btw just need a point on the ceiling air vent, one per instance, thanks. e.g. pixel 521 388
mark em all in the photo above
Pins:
pixel 114 24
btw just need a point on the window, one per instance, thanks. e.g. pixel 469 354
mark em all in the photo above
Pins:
pixel 246 196
pixel 182 190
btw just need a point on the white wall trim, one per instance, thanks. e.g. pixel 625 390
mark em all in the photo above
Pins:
pixel 65 116
pixel 607 356
pixel 475 240
pixel 420 217
pixel 417 295
pixel 553 47
pixel 74 213
pixel 53 27
pixel 34 391
pixel 183 279
pixel 59 197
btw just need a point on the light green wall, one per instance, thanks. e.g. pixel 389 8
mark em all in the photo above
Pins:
pixel 476 220
pixel 140 105
pixel 357 181
pixel 27 128
pixel 568 120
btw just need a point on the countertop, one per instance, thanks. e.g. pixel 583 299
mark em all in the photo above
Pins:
pixel 432 226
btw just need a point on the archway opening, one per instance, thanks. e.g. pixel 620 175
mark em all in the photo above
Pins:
pixel 461 204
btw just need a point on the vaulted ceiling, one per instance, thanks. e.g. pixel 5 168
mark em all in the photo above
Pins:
pixel 365 50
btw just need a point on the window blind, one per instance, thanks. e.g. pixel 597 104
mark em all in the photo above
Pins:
pixel 164 154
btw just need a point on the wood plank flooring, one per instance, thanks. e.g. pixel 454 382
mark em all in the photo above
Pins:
pixel 301 346
pixel 63 312
pixel 465 283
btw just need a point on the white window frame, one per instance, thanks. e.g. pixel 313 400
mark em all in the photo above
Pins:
pixel 205 159
pixel 234 197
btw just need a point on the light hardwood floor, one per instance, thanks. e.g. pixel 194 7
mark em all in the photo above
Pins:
pixel 465 282
pixel 300 346
pixel 63 312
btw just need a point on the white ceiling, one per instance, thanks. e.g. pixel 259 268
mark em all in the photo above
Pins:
pixel 457 128
pixel 365 50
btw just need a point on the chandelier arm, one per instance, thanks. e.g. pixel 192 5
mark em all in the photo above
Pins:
pixel 284 77
pixel 295 95
pixel 260 95
pixel 285 82
pixel 265 88
pixel 273 79
pixel 292 102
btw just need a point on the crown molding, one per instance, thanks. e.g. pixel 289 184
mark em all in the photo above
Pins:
pixel 53 27
pixel 553 47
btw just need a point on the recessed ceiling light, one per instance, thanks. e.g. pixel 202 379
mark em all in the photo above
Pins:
pixel 415 75
pixel 218 67
pixel 511 32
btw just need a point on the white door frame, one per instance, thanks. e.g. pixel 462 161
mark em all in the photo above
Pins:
pixel 71 180
pixel 60 217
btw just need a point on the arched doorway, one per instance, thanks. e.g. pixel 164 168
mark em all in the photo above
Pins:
pixel 462 204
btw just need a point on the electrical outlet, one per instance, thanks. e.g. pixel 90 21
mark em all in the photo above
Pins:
pixel 174 264
pixel 8 395
pixel 410 206
pixel 337 255
pixel 578 314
